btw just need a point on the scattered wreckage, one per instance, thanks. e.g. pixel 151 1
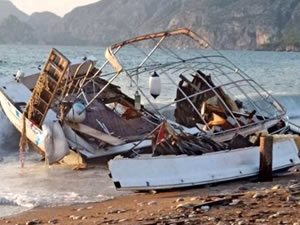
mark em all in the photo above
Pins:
pixel 164 110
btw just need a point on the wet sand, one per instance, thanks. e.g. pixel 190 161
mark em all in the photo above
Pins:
pixel 239 202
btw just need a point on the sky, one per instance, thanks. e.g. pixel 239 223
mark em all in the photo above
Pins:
pixel 59 7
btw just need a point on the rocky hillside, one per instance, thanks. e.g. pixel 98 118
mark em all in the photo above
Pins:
pixel 227 24
pixel 19 32
pixel 40 21
pixel 44 24
pixel 7 8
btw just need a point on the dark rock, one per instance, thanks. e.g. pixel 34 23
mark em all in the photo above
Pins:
pixel 261 221
pixel 258 195
pixel 291 198
pixel 243 188
pixel 34 222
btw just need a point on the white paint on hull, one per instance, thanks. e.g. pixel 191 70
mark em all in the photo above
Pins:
pixel 33 133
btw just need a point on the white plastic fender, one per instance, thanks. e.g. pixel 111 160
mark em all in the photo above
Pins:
pixel 77 114
pixel 19 75
pixel 154 85
pixel 56 145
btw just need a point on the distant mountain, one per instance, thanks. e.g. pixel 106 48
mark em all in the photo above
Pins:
pixel 13 31
pixel 7 8
pixel 227 24
pixel 42 19
pixel 44 24
pixel 47 28
pixel 107 21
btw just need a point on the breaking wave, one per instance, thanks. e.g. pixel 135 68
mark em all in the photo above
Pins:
pixel 17 203
pixel 44 199
pixel 38 185
pixel 9 138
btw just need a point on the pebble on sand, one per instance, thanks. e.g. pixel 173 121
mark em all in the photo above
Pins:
pixel 152 203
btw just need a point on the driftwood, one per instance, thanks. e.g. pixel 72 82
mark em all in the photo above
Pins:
pixel 223 201
pixel 223 195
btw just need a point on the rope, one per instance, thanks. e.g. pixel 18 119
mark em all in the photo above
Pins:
pixel 35 99
pixel 23 143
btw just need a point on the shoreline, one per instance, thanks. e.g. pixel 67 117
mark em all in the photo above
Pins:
pixel 237 202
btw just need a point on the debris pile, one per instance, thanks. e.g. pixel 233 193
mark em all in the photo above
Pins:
pixel 167 142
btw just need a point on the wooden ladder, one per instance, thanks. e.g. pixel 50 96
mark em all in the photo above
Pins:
pixel 47 86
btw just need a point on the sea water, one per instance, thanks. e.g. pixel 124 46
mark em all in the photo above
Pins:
pixel 40 185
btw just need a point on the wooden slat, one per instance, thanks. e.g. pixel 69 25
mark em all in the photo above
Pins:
pixel 43 101
pixel 56 67
pixel 39 111
pixel 51 78
pixel 48 92
pixel 96 134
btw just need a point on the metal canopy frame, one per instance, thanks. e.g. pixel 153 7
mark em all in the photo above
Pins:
pixel 271 109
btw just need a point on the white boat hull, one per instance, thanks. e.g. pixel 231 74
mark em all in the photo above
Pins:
pixel 165 172
pixel 33 133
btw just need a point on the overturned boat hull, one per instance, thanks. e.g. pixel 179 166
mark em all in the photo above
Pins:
pixel 165 172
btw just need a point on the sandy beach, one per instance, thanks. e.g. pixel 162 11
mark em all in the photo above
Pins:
pixel 239 202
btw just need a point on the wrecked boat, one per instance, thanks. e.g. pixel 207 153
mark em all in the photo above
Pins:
pixel 60 113
pixel 160 101
pixel 212 112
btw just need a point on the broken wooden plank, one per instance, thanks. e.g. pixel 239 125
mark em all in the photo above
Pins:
pixel 223 201
pixel 217 121
pixel 223 195
pixel 96 134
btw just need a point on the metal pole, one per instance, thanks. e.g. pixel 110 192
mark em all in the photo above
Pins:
pixel 100 92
